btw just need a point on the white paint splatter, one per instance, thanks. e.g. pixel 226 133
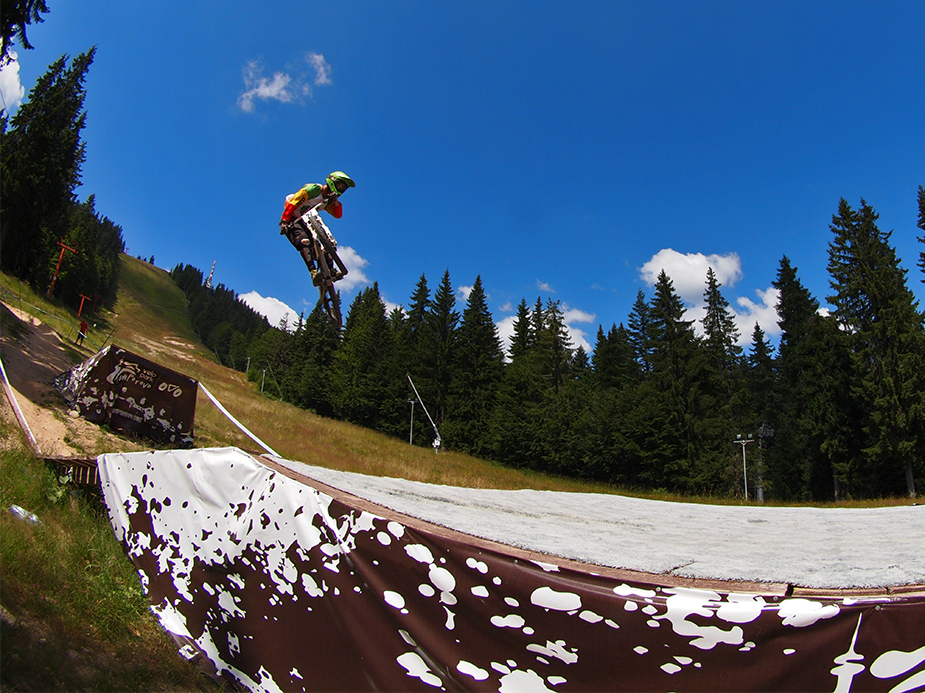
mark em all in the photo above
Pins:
pixel 590 617
pixel 475 564
pixel 625 590
pixel 511 621
pixel 479 591
pixel 417 668
pixel 803 612
pixel 523 682
pixel 741 608
pixel 548 598
pixel 394 599
pixel 420 553
pixel 442 579
pixel 554 649
pixel 896 662
pixel 469 669
pixel 311 587
pixel 685 602
pixel 547 567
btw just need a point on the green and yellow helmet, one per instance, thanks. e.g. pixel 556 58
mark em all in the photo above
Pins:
pixel 339 177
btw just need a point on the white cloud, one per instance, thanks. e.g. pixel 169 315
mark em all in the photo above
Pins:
pixel 391 307
pixel 764 313
pixel 272 308
pixel 543 286
pixel 322 69
pixel 506 331
pixel 259 87
pixel 462 294
pixel 10 88
pixel 282 87
pixel 688 272
pixel 355 264
pixel 579 337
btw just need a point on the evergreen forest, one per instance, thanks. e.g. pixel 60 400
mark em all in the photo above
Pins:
pixel 836 411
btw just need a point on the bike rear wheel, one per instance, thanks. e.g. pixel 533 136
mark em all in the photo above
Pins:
pixel 324 267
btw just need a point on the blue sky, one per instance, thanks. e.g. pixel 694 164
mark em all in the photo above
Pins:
pixel 564 151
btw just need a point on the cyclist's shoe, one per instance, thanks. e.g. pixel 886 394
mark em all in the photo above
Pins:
pixel 317 277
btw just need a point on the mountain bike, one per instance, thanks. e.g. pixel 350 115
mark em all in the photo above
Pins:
pixel 322 260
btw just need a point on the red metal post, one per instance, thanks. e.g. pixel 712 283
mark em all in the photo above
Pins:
pixel 51 289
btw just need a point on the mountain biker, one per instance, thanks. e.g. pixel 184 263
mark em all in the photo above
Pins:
pixel 309 196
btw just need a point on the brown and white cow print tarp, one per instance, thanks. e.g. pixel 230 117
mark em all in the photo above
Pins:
pixel 284 584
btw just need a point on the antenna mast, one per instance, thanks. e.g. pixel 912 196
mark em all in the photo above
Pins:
pixel 209 280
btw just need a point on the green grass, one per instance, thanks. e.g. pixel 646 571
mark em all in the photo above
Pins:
pixel 74 614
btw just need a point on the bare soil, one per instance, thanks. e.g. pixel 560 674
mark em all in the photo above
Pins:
pixel 33 355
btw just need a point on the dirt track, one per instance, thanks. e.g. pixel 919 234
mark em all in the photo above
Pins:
pixel 33 355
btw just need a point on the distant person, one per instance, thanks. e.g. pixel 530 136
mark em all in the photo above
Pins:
pixel 81 333
pixel 309 196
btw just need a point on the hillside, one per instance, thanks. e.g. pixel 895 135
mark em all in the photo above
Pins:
pixel 150 319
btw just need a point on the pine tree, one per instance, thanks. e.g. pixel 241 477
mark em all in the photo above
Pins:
pixel 613 358
pixel 40 161
pixel 316 341
pixel 639 335
pixel 476 376
pixel 876 308
pixel 828 416
pixel 761 376
pixel 553 345
pixel 359 378
pixel 523 337
pixel 438 350
pixel 921 225
pixel 15 16
pixel 676 366
pixel 93 271
pixel 725 395
pixel 788 457
pixel 721 335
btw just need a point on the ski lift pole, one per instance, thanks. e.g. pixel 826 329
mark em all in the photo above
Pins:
pixel 436 432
